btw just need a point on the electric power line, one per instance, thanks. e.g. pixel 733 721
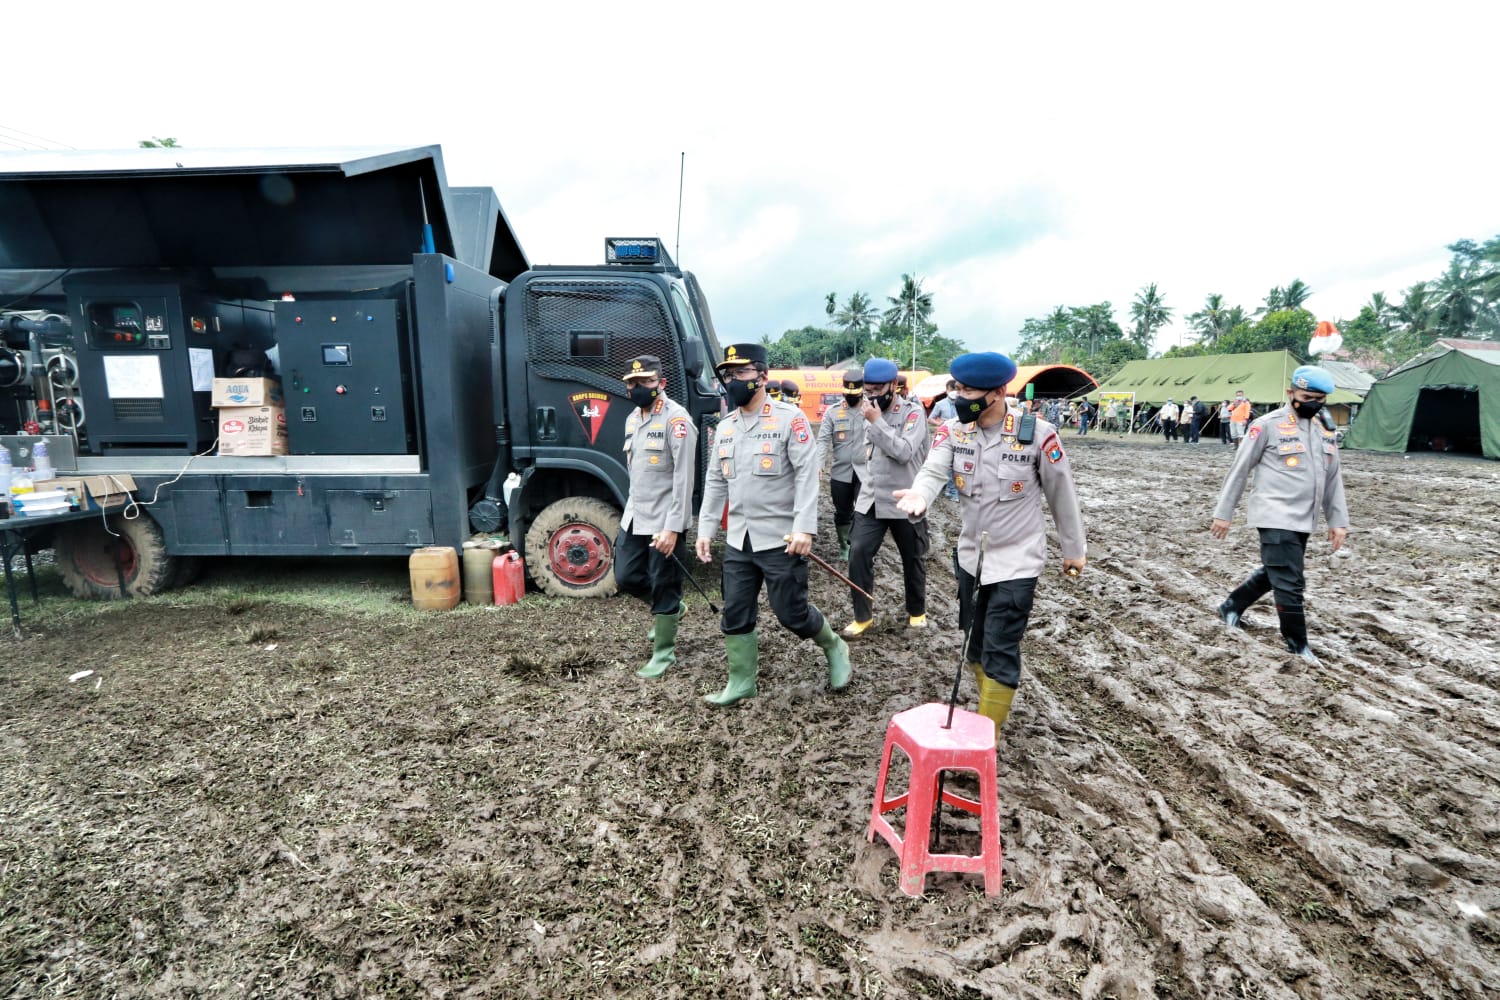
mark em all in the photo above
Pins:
pixel 28 135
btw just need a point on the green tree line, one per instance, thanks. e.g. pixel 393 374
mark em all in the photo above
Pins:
pixel 859 329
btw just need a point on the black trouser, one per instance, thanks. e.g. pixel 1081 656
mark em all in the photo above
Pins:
pixel 1280 572
pixel 786 584
pixel 911 541
pixel 643 572
pixel 1004 610
pixel 1191 436
pixel 1169 429
pixel 1224 430
pixel 844 495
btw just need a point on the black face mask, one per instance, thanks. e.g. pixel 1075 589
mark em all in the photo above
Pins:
pixel 852 400
pixel 970 410
pixel 641 396
pixel 884 402
pixel 741 391
pixel 1306 410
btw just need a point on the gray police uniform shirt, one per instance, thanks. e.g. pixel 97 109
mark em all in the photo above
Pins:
pixel 1296 466
pixel 766 465
pixel 895 448
pixel 661 451
pixel 841 441
pixel 1001 483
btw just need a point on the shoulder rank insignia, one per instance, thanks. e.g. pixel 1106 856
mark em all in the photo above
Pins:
pixel 1010 424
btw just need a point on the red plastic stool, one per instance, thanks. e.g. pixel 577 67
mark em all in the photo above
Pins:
pixel 969 746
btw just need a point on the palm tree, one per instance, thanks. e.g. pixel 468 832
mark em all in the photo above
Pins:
pixel 1295 294
pixel 1415 312
pixel 910 308
pixel 830 303
pixel 1150 313
pixel 1454 309
pixel 1210 322
pixel 856 318
pixel 1381 309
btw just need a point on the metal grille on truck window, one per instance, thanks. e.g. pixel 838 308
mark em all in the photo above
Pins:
pixel 587 331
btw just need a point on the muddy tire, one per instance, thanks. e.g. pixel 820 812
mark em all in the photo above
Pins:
pixel 87 557
pixel 570 548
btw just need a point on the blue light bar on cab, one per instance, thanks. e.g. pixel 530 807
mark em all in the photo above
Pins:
pixel 620 250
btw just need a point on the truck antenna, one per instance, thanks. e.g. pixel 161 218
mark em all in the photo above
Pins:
pixel 681 169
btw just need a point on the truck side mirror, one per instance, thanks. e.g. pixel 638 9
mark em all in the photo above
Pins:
pixel 692 358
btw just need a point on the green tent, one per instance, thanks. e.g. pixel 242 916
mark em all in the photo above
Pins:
pixel 1264 377
pixel 1444 399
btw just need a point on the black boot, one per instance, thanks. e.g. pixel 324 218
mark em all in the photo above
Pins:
pixel 1294 631
pixel 1256 586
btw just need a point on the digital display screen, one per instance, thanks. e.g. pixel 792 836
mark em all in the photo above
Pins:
pixel 626 251
pixel 126 317
pixel 336 354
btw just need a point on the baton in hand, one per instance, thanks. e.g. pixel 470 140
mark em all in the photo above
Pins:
pixel 819 560
pixel 692 579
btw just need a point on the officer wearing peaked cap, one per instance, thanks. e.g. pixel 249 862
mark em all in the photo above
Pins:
pixel 765 464
pixel 841 450
pixel 661 453
pixel 1294 455
pixel 1003 464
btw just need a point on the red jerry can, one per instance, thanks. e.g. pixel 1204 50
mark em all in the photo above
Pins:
pixel 510 577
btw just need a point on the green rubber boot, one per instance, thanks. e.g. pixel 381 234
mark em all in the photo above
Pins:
pixel 837 651
pixel 663 644
pixel 743 654
pixel 843 530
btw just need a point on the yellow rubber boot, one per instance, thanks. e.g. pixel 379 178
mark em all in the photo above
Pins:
pixel 855 628
pixel 994 701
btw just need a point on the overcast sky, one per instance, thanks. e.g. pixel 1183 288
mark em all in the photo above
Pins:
pixel 1014 156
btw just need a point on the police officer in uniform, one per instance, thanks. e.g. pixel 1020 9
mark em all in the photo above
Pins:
pixel 1295 458
pixel 841 450
pixel 773 389
pixel 661 449
pixel 895 448
pixel 790 393
pixel 764 461
pixel 1003 464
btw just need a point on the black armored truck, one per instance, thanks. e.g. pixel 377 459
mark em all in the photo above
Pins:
pixel 433 383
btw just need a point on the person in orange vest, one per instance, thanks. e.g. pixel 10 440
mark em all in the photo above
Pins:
pixel 1239 417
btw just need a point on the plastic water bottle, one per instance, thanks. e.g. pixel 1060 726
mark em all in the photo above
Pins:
pixel 41 463
pixel 6 468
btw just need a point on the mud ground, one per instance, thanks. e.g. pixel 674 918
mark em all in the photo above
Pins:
pixel 251 797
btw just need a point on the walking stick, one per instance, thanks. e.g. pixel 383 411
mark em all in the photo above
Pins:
pixel 693 580
pixel 963 655
pixel 819 560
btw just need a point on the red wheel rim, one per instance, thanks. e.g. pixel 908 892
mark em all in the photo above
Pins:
pixel 579 554
pixel 98 563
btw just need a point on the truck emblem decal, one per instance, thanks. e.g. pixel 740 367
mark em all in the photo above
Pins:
pixel 591 408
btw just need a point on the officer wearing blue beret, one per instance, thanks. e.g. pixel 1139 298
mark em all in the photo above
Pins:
pixel 1003 464
pixel 1295 457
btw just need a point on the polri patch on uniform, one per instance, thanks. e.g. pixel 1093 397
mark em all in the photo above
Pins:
pixel 655 459
pixel 1292 461
pixel 841 435
pixel 940 436
pixel 679 427
pixel 765 447
pixel 958 481
pixel 767 462
pixel 799 430
pixel 1055 453
pixel 1017 487
pixel 913 417
pixel 1254 433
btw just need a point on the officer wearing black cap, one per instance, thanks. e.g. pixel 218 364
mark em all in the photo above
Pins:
pixel 764 463
pixel 841 450
pixel 661 452
pixel 773 388
pixel 1295 461
pixel 790 392
pixel 1003 464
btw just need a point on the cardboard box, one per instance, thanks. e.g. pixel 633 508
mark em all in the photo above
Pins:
pixel 96 492
pixel 246 392
pixel 252 430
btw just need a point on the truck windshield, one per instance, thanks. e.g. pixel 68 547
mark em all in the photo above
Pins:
pixel 688 318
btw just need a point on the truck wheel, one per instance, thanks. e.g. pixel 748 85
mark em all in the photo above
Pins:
pixel 87 557
pixel 570 548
